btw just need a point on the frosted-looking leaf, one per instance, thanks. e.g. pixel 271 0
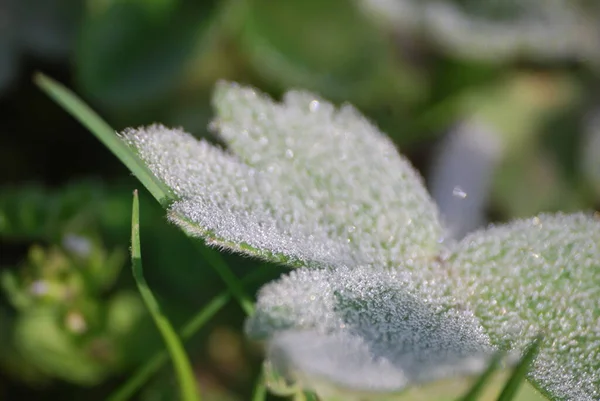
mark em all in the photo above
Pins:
pixel 346 176
pixel 539 275
pixel 311 185
pixel 366 330
pixel 227 202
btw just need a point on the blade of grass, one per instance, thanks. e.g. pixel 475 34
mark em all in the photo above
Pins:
pixel 183 368
pixel 509 391
pixel 97 126
pixel 483 379
pixel 143 374
pixel 260 390
pixel 233 284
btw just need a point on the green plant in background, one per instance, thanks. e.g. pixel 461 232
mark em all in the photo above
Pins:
pixel 65 326
pixel 382 300
pixel 69 319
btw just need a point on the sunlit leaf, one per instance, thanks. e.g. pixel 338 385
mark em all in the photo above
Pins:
pixel 309 184
pixel 539 275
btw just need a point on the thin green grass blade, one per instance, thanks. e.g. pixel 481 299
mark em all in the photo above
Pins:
pixel 92 121
pixel 260 390
pixel 143 374
pixel 483 380
pixel 233 283
pixel 518 377
pixel 183 367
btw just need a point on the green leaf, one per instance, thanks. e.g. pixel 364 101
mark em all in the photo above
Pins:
pixel 366 332
pixel 307 43
pixel 40 337
pixel 312 185
pixel 183 368
pixel 130 53
pixel 538 276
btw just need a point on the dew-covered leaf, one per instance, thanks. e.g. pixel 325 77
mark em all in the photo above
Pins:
pixel 540 275
pixel 227 203
pixel 365 331
pixel 348 176
pixel 308 185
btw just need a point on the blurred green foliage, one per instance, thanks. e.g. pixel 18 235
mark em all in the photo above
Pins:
pixel 68 309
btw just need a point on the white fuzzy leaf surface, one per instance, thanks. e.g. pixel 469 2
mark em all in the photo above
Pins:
pixel 366 331
pixel 309 185
pixel 539 275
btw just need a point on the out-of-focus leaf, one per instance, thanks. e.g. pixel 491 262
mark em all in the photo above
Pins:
pixel 313 185
pixel 516 111
pixel 326 46
pixel 38 335
pixel 540 275
pixel 530 181
pixel 11 361
pixel 130 53
pixel 495 30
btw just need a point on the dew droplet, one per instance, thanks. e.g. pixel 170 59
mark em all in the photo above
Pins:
pixel 459 193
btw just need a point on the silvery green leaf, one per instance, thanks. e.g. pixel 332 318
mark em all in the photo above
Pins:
pixel 539 275
pixel 496 30
pixel 309 184
pixel 366 331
